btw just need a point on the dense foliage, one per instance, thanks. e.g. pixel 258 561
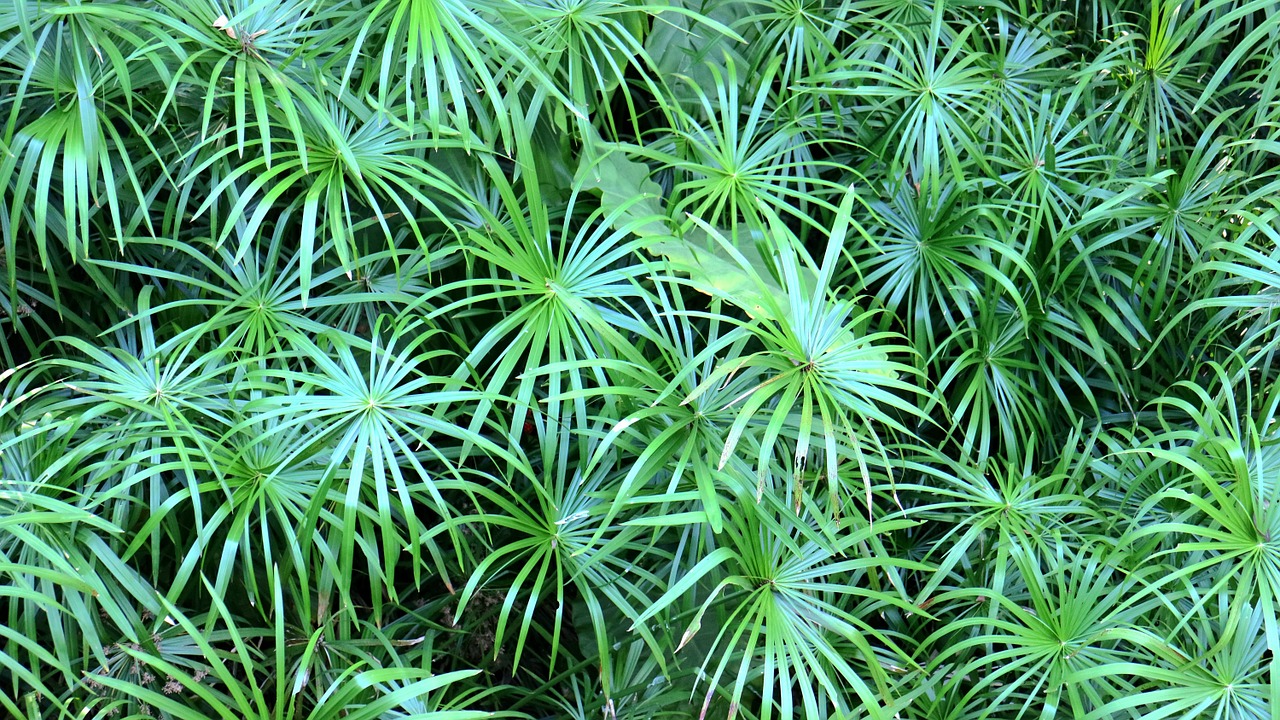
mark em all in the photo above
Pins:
pixel 640 359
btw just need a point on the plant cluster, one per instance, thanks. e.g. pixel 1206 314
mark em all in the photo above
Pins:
pixel 449 359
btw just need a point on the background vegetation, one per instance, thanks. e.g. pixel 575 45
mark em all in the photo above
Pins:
pixel 639 359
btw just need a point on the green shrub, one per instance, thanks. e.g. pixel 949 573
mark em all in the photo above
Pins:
pixel 376 359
